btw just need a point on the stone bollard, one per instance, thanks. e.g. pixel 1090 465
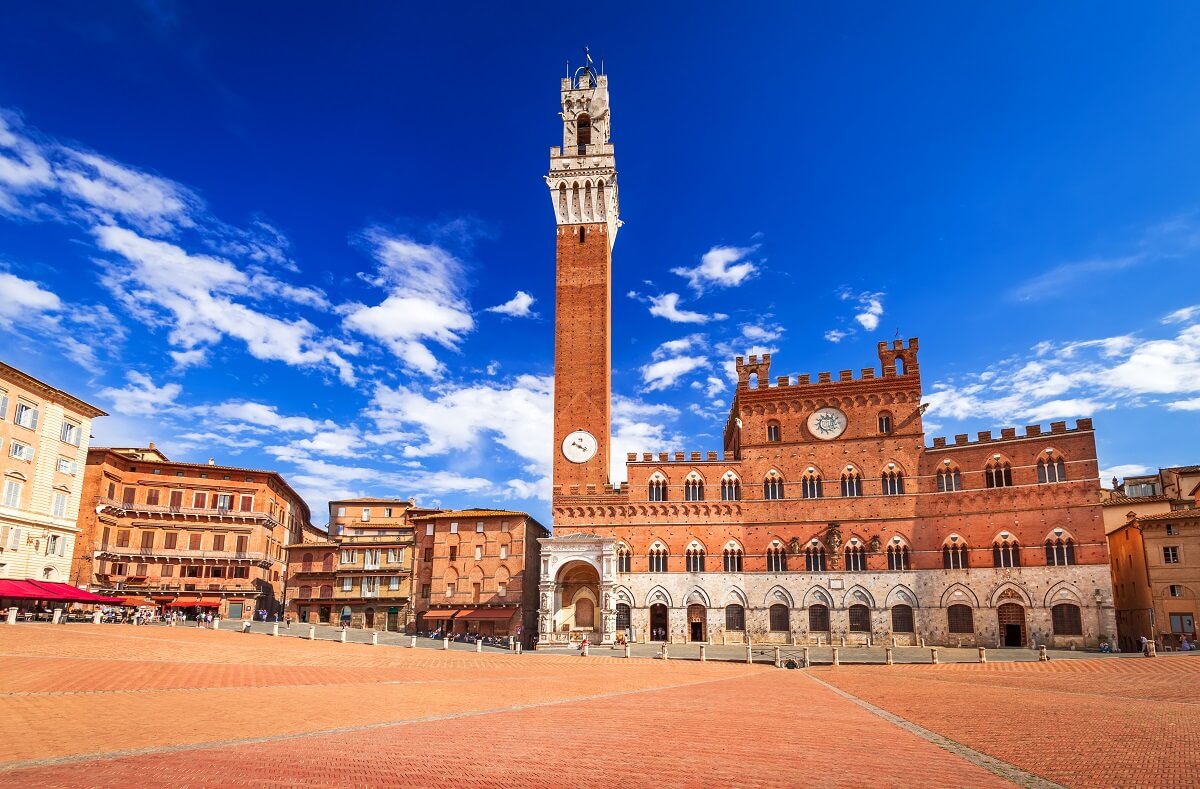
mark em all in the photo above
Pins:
pixel 275 629
pixel 807 662
pixel 216 624
pixel 894 644
pixel 586 648
pixel 665 654
pixel 983 654
pixel 413 643
pixel 749 654
pixel 342 636
pixel 312 633
pixel 57 617
pixel 519 647
pixel 479 645
pixel 374 639
pixel 96 619
pixel 702 655
pixel 445 644
pixel 1043 656
pixel 12 615
pixel 778 658
pixel 933 658
pixel 887 657
pixel 1151 649
pixel 626 650
pixel 836 661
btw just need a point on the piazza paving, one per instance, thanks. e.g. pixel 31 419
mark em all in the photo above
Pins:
pixel 102 705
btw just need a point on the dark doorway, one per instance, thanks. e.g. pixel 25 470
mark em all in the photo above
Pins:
pixel 696 621
pixel 659 622
pixel 1012 624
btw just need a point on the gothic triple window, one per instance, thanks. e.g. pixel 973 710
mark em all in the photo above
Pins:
pixel 954 556
pixel 893 482
pixel 1060 552
pixel 851 483
pixel 998 474
pixel 733 559
pixel 658 559
pixel 658 487
pixel 811 485
pixel 623 559
pixel 776 559
pixel 814 559
pixel 694 559
pixel 773 486
pixel 731 488
pixel 1051 469
pixel 897 556
pixel 856 558
pixel 1006 553
pixel 949 479
pixel 693 488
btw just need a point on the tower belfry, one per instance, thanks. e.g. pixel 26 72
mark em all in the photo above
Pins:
pixel 583 189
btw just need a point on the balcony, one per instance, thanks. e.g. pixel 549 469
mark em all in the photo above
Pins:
pixel 137 584
pixel 167 512
pixel 109 551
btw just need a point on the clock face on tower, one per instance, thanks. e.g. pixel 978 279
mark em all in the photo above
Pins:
pixel 579 447
pixel 827 423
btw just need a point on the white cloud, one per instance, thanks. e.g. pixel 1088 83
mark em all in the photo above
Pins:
pixel 757 333
pixel 1183 315
pixel 196 294
pixel 666 373
pixel 721 266
pixel 111 190
pixel 425 302
pixel 193 358
pixel 23 167
pixel 667 306
pixel 836 335
pixel 676 347
pixel 516 307
pixel 24 299
pixel 1122 471
pixel 638 427
pixel 141 397
pixel 871 310
pixel 1185 405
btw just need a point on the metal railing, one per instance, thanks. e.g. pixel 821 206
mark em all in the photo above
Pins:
pixel 178 553
pixel 167 509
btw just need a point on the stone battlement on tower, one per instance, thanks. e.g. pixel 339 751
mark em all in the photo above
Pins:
pixel 898 360
pixel 1010 433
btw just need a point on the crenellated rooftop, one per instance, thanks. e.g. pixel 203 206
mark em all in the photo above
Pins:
pixel 897 360
pixel 1010 434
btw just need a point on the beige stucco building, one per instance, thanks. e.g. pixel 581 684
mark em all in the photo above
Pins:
pixel 44 434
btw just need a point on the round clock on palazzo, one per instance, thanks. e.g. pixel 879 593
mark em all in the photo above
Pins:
pixel 580 446
pixel 827 423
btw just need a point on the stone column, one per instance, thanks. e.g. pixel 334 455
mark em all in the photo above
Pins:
pixel 312 632
pixel 445 644
pixel 933 656
pixel 275 629
pixel 342 636
pixel 836 661
pixel 412 644
pixel 374 639
pixel 479 645
pixel 702 654
pixel 887 657
pixel 982 654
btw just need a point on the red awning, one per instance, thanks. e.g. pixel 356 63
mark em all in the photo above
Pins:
pixel 30 589
pixel 199 603
pixel 446 613
pixel 489 613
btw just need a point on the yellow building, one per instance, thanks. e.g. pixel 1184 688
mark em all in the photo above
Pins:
pixel 44 434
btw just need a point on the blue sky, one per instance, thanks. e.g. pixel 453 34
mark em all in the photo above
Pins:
pixel 317 239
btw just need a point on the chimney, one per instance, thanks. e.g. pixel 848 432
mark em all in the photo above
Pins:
pixel 212 462
pixel 152 445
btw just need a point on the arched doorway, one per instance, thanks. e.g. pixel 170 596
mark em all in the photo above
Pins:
pixel 697 617
pixel 579 597
pixel 369 618
pixel 660 622
pixel 1012 625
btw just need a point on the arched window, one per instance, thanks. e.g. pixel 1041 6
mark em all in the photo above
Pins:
pixel 735 617
pixel 327 591
pixel 693 488
pixel 774 434
pixel 885 423
pixel 306 591
pixel 960 619
pixel 694 559
pixel 780 621
pixel 773 486
pixel 583 130
pixel 893 482
pixel 658 487
pixel 306 562
pixel 954 555
pixel 1066 619
pixel 818 618
pixel 776 559
pixel 1060 552
pixel 731 488
pixel 733 559
pixel 898 557
pixel 1051 468
pixel 811 486
pixel 998 473
pixel 327 563
pixel 856 558
pixel 851 482
pixel 860 619
pixel 814 559
pixel 623 617
pixel 949 478
pixel 658 559
pixel 902 619
pixel 623 559
pixel 1006 553
pixel 585 612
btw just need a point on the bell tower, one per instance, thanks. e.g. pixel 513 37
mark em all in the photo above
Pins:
pixel 583 189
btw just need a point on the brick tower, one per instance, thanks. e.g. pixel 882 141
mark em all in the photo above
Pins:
pixel 583 188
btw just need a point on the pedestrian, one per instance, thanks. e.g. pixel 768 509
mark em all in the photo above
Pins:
pixel 583 645
pixel 1145 646
pixel 1184 644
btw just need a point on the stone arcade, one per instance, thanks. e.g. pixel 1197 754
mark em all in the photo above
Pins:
pixel 825 516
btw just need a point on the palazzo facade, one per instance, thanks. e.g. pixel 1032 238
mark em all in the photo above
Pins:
pixel 825 515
